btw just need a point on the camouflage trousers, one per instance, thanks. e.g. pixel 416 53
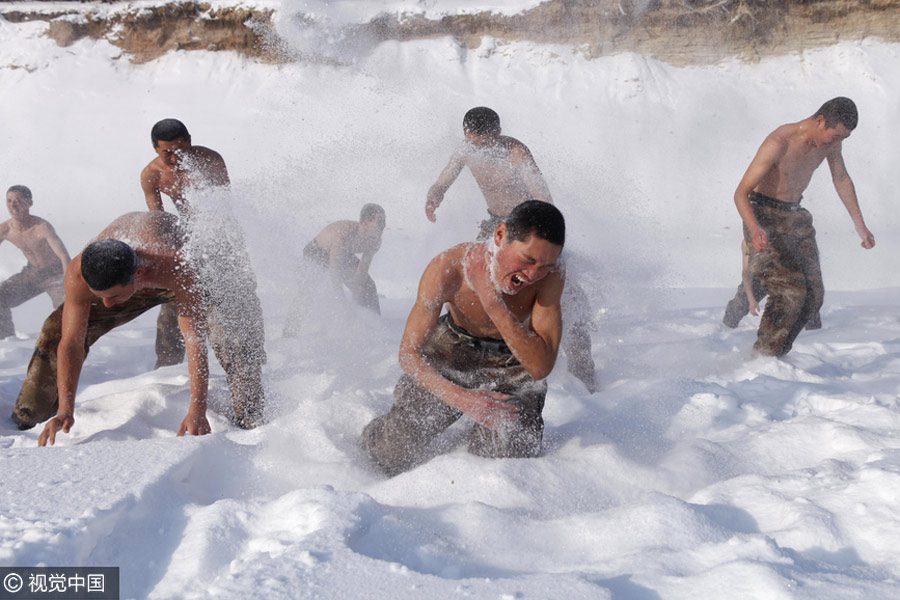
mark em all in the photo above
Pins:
pixel 739 306
pixel 240 354
pixel 28 283
pixel 399 440
pixel 789 270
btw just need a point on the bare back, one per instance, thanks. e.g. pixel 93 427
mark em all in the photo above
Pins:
pixel 506 173
pixel 158 241
pixel 346 236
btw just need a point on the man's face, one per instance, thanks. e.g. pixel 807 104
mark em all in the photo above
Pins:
pixel 518 264
pixel 172 152
pixel 116 294
pixel 479 140
pixel 828 136
pixel 372 227
pixel 17 204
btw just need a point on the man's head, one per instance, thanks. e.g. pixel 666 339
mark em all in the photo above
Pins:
pixel 481 123
pixel 18 201
pixel 834 121
pixel 839 110
pixel 170 138
pixel 527 245
pixel 109 268
pixel 371 219
pixel 371 212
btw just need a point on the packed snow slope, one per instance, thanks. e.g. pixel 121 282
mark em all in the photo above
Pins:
pixel 697 471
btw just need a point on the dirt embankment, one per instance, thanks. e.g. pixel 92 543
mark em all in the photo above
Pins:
pixel 676 31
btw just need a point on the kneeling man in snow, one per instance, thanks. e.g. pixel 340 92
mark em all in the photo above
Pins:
pixel 138 262
pixel 487 355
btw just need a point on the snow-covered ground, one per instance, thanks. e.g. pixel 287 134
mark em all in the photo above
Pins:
pixel 698 470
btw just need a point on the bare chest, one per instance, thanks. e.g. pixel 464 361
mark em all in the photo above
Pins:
pixel 470 314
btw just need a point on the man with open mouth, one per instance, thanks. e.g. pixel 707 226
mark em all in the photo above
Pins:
pixel 487 356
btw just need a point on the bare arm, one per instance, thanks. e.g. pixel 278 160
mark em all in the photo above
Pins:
pixel 747 279
pixel 485 407
pixel 56 244
pixel 536 346
pixel 443 183
pixel 192 322
pixel 365 261
pixel 766 157
pixel 338 256
pixel 847 193
pixel 70 353
pixel 150 185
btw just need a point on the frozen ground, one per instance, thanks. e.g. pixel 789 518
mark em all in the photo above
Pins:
pixel 698 471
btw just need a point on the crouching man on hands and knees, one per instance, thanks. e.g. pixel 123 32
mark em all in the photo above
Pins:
pixel 487 355
pixel 112 282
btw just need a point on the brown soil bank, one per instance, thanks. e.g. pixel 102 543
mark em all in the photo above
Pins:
pixel 676 31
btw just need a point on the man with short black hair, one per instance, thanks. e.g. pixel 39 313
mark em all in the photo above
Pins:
pixel 46 255
pixel 784 255
pixel 487 356
pixel 179 166
pixel 179 169
pixel 112 282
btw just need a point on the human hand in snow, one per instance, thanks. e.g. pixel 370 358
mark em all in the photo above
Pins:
pixel 58 422
pixel 490 409
pixel 194 424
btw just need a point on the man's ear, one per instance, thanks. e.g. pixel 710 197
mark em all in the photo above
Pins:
pixel 139 272
pixel 500 234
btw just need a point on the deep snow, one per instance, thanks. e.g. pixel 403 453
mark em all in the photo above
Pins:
pixel 698 470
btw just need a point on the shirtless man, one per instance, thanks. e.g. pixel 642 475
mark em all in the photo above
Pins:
pixel 335 248
pixel 487 356
pixel 784 255
pixel 502 166
pixel 506 172
pixel 179 168
pixel 112 282
pixel 46 254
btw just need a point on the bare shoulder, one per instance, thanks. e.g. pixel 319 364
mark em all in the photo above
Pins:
pixel 207 153
pixel 76 288
pixel 514 145
pixel 783 134
pixel 153 168
pixel 44 227
pixel 444 274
